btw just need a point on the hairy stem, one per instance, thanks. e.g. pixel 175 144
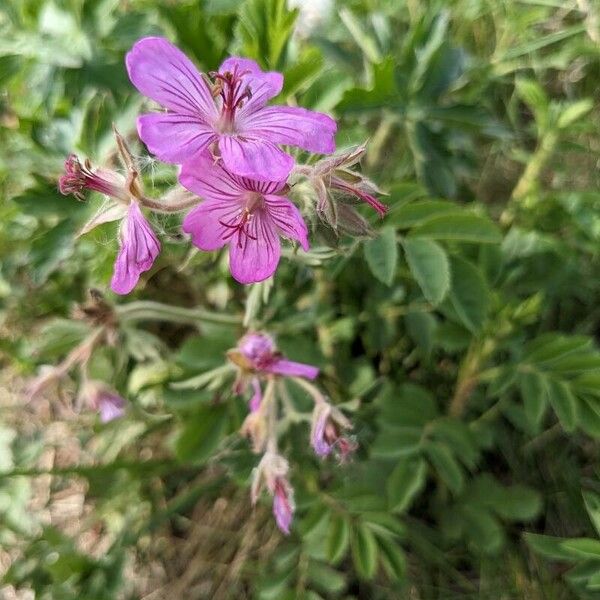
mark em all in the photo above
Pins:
pixel 147 310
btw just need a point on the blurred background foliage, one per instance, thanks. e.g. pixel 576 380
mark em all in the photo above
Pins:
pixel 462 337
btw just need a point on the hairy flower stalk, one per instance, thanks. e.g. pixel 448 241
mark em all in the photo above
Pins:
pixel 228 116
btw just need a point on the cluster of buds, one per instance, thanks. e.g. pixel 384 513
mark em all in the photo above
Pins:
pixel 257 359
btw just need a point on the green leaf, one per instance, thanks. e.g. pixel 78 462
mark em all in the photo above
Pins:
pixel 325 579
pixel 338 538
pixel 384 92
pixel 516 503
pixel 405 482
pixel 563 402
pixel 592 505
pixel 381 255
pixel 421 327
pixel 364 551
pixel 393 442
pixel 392 558
pixel 428 263
pixel 583 547
pixel 416 213
pixel 574 111
pixel 535 399
pixel 460 228
pixel 469 294
pixel 264 29
pixel 201 434
pixel 446 465
pixel 548 546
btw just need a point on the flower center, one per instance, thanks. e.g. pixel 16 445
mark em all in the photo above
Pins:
pixel 239 224
pixel 230 86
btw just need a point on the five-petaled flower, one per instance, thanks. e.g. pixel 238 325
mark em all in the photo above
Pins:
pixel 246 214
pixel 229 116
pixel 256 355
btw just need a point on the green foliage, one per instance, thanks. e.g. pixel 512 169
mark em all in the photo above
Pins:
pixel 461 339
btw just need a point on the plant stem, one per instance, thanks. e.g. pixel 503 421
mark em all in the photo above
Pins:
pixel 147 310
pixel 468 375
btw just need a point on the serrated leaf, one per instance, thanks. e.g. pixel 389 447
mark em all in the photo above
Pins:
pixel 381 255
pixel 429 265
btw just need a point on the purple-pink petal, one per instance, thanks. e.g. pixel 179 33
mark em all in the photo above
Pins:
pixel 288 220
pixel 282 507
pixel 295 126
pixel 205 224
pixel 164 73
pixel 290 368
pixel 318 442
pixel 139 248
pixel 254 256
pixel 207 178
pixel 255 158
pixel 110 406
pixel 174 137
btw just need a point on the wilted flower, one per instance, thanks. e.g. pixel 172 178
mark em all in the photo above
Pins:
pixel 139 245
pixel 107 402
pixel 230 115
pixel 328 423
pixel 246 214
pixel 79 177
pixel 334 174
pixel 273 470
pixel 138 250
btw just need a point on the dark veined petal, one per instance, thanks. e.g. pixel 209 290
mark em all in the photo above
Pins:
pixel 287 218
pixel 306 129
pixel 138 251
pixel 165 74
pixel 254 158
pixel 173 137
pixel 254 255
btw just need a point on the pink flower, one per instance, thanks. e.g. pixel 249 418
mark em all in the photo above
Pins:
pixel 246 214
pixel 78 177
pixel 139 248
pixel 256 355
pixel 106 401
pixel 325 436
pixel 231 114
pixel 273 469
